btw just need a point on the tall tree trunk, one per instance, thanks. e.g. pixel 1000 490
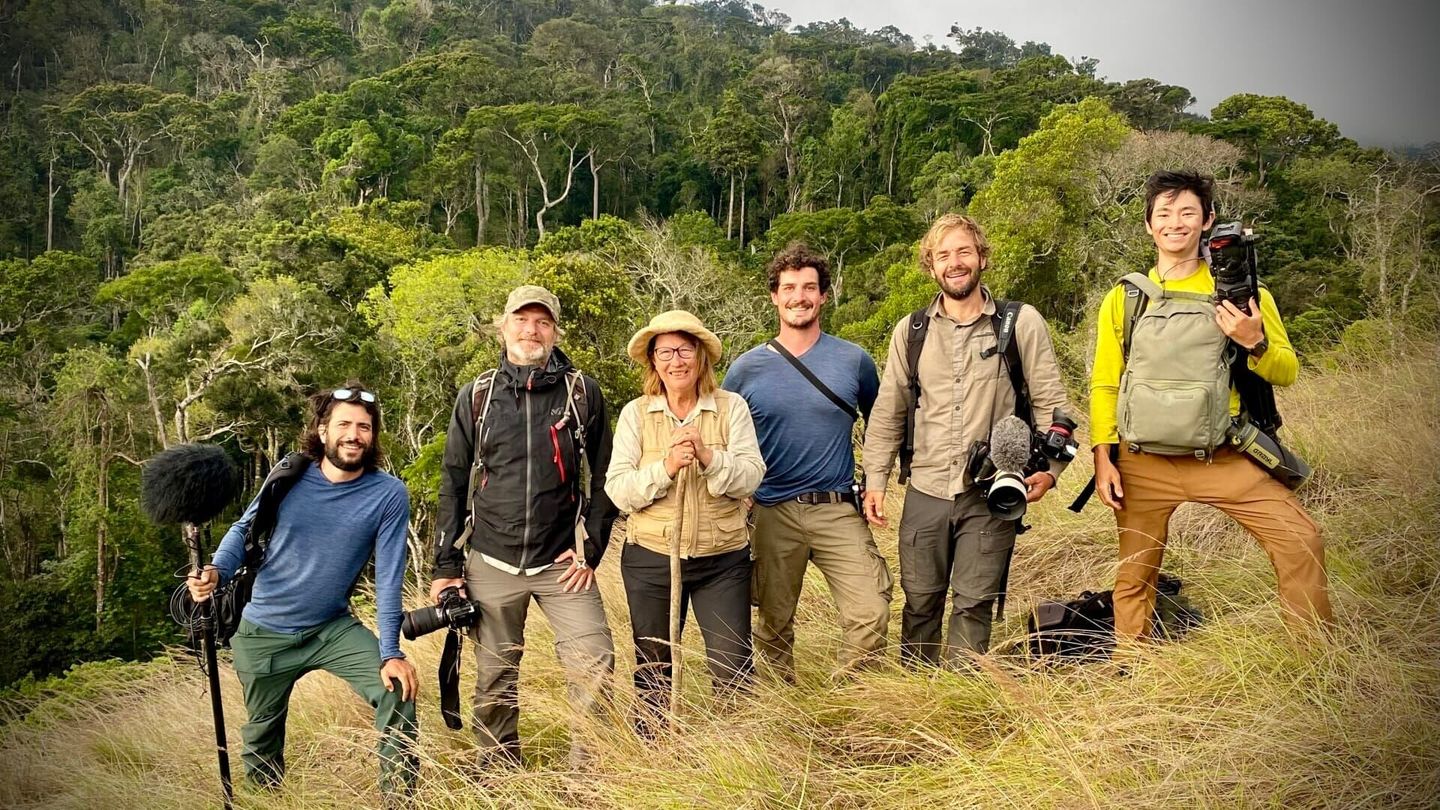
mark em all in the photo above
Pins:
pixel 50 207
pixel 730 214
pixel 594 188
pixel 102 526
pixel 792 174
pixel 509 218
pixel 1382 248
pixel 744 177
pixel 144 364
pixel 525 215
pixel 618 201
pixel 482 203
pixel 890 165
pixel 182 415
pixel 452 213
pixel 517 220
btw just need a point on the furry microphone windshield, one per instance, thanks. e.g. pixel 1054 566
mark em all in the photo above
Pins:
pixel 1010 445
pixel 190 483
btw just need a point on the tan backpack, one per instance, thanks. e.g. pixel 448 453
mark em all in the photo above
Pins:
pixel 1175 392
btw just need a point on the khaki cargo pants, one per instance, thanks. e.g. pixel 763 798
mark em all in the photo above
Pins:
pixel 952 546
pixel 789 535
pixel 582 643
pixel 1155 485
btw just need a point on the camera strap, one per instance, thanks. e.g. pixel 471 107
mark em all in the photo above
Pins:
pixel 814 380
pixel 449 678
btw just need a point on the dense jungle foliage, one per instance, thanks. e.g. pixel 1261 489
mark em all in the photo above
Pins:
pixel 208 209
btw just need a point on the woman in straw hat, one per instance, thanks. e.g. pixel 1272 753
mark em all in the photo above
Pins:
pixel 685 457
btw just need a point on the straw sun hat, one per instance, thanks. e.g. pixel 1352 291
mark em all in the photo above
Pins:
pixel 676 320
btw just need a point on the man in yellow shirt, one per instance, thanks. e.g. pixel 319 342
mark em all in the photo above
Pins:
pixel 1148 479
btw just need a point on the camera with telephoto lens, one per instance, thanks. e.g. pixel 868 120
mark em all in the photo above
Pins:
pixel 1004 492
pixel 1059 441
pixel 1234 264
pixel 453 611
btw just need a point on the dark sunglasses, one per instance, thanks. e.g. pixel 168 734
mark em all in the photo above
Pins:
pixel 347 394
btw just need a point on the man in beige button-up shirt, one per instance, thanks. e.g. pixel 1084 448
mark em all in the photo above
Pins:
pixel 948 537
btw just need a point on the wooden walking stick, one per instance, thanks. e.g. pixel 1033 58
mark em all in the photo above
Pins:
pixel 676 663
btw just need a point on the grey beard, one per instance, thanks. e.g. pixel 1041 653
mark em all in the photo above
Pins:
pixel 534 358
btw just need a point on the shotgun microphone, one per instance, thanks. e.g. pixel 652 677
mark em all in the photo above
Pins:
pixel 1009 452
pixel 188 483
pixel 191 484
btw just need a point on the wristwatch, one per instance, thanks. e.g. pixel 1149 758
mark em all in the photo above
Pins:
pixel 1258 350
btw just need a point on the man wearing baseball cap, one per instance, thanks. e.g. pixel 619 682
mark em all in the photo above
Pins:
pixel 520 520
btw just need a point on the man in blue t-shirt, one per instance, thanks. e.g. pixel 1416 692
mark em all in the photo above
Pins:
pixel 807 507
pixel 339 512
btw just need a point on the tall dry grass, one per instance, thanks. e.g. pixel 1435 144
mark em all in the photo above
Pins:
pixel 1238 714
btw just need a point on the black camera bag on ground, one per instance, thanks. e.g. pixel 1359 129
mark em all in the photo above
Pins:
pixel 229 600
pixel 1084 628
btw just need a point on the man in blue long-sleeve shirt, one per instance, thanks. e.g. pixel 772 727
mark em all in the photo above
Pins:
pixel 339 512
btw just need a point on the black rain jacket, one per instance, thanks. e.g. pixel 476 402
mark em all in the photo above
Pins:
pixel 525 505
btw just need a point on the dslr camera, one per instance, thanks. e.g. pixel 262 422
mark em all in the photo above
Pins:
pixel 1001 465
pixel 1058 442
pixel 453 611
pixel 1004 490
pixel 1234 264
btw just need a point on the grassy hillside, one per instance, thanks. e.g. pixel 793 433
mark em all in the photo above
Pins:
pixel 1239 714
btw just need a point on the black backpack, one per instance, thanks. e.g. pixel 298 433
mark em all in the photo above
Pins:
pixel 1006 313
pixel 1084 628
pixel 577 415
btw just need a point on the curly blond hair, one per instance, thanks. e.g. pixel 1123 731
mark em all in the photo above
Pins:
pixel 941 228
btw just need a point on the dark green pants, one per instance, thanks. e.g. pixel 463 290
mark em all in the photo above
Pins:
pixel 957 544
pixel 270 663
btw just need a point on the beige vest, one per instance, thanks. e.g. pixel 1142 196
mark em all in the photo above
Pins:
pixel 712 525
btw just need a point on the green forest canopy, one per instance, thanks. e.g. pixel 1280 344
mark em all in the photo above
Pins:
pixel 208 208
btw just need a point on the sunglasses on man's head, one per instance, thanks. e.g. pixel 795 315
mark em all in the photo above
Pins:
pixel 347 394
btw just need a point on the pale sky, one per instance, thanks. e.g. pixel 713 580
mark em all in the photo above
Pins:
pixel 1369 66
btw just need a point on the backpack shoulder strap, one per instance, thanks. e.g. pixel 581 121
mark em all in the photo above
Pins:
pixel 278 483
pixel 1138 290
pixel 919 327
pixel 578 400
pixel 480 398
pixel 914 342
pixel 577 411
pixel 1144 284
pixel 480 404
pixel 1007 313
